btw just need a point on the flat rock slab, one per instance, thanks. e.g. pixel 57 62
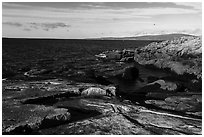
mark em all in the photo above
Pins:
pixel 101 105
pixel 48 88
pixel 126 119
pixel 37 89
pixel 191 104
pixel 114 124
pixel 170 122
pixel 18 118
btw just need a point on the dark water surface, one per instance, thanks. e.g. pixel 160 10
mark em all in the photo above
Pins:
pixel 56 55
pixel 66 57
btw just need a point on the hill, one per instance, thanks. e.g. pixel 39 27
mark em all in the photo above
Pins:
pixel 148 37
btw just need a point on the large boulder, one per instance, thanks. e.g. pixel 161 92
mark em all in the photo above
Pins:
pixel 95 91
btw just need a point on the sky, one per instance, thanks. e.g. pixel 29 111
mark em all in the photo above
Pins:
pixel 75 20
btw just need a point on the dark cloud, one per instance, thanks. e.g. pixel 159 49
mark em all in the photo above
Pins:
pixel 48 26
pixel 15 24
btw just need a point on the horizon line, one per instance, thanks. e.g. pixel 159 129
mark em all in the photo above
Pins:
pixel 99 37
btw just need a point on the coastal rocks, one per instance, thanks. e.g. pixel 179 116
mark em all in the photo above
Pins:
pixel 24 113
pixel 87 107
pixel 170 86
pixel 56 119
pixel 124 119
pixel 110 55
pixel 186 104
pixel 159 89
pixel 127 59
pixel 167 124
pixel 113 124
pixel 38 91
pixel 126 55
pixel 94 91
pixel 114 55
pixel 22 119
pixel 90 114
pixel 181 55
pixel 58 106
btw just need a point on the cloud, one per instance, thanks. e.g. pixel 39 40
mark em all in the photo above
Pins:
pixel 27 29
pixel 42 26
pixel 92 18
pixel 48 26
pixel 83 16
pixel 86 10
pixel 94 5
pixel 194 5
pixel 15 24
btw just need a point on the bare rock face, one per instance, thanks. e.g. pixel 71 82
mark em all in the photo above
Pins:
pixel 183 55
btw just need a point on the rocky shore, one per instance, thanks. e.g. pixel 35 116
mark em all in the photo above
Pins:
pixel 151 90
pixel 183 55
pixel 63 107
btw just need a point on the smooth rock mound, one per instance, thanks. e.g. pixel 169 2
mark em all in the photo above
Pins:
pixel 95 91
pixel 182 55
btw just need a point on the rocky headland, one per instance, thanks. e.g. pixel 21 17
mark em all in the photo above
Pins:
pixel 182 56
